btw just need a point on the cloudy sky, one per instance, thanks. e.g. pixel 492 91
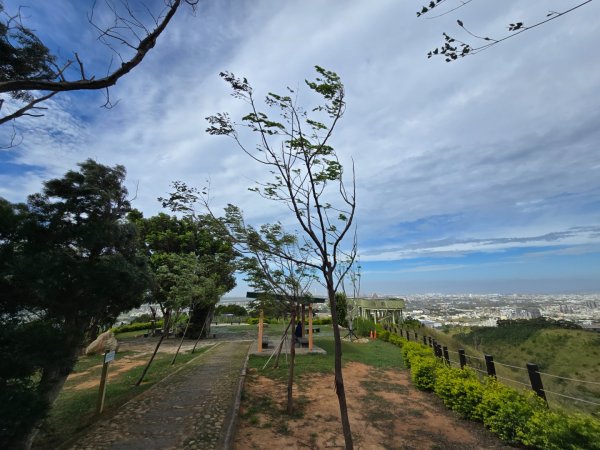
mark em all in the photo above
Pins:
pixel 481 175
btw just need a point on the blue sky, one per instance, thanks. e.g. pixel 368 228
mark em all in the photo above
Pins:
pixel 478 176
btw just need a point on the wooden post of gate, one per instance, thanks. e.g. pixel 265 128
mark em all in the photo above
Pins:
pixel 536 380
pixel 260 330
pixel 490 366
pixel 108 357
pixel 310 328
pixel 462 357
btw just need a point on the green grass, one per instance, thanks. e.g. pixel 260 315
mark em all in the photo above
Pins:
pixel 74 409
pixel 378 354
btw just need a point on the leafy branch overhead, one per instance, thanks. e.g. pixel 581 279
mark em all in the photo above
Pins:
pixel 454 48
pixel 31 74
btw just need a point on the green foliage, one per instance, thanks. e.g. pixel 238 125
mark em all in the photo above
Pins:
pixel 423 370
pixel 555 430
pixel 137 326
pixel 516 417
pixel 460 390
pixel 504 410
pixel 341 308
pixel 70 265
pixel 255 320
pixel 323 321
pixel 192 258
pixel 363 327
pixel 22 54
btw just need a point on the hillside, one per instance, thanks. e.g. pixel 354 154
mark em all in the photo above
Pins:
pixel 558 352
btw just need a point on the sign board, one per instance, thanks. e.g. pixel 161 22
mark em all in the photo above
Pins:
pixel 108 357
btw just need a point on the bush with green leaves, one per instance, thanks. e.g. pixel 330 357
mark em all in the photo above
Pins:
pixel 460 390
pixel 362 327
pixel 516 417
pixel 555 430
pixel 322 321
pixel 138 326
pixel 505 410
pixel 423 371
pixel 411 350
pixel 384 336
pixel 255 320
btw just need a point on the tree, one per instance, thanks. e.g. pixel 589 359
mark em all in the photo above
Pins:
pixel 308 178
pixel 236 310
pixel 28 67
pixel 342 308
pixel 454 48
pixel 197 234
pixel 70 265
pixel 275 264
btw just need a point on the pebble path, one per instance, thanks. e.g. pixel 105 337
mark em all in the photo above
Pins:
pixel 192 409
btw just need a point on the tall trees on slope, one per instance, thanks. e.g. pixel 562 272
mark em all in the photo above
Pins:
pixel 70 264
pixel 307 177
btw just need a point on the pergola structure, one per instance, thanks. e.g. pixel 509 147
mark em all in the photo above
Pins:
pixel 304 302
pixel 379 310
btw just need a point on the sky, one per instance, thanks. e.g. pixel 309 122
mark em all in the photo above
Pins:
pixel 476 176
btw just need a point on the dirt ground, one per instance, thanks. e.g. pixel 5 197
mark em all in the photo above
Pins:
pixel 386 412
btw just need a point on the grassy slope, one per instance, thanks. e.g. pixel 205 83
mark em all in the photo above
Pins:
pixel 563 352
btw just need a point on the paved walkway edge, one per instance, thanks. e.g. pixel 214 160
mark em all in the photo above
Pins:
pixel 231 426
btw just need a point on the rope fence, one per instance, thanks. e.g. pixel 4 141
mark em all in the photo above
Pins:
pixel 487 366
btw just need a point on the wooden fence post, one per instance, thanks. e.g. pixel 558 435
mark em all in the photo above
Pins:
pixel 430 341
pixel 446 355
pixel 489 364
pixel 462 357
pixel 536 380
pixel 416 336
pixel 424 340
pixel 407 336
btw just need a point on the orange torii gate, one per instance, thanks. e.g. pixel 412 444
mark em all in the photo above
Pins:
pixel 304 301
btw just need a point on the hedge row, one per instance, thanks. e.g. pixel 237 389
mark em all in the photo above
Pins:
pixel 517 417
pixel 138 326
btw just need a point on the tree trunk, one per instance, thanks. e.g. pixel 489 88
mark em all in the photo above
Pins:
pixel 51 384
pixel 339 379
pixel 283 338
pixel 290 385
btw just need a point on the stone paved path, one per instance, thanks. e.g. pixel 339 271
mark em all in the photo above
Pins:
pixel 192 409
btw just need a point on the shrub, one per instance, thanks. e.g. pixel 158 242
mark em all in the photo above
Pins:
pixel 139 326
pixel 362 327
pixel 460 390
pixel 423 370
pixel 397 340
pixel 506 411
pixel 384 335
pixel 554 430
pixel 255 320
pixel 411 350
pixel 322 321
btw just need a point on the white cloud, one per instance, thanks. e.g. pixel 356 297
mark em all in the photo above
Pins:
pixel 504 142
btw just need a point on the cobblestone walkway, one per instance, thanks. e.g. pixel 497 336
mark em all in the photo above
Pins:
pixel 192 409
